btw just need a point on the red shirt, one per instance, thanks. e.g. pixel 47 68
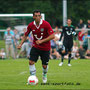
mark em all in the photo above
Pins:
pixel 42 31
pixel 80 37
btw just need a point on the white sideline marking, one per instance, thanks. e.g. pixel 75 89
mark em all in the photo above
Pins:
pixel 22 72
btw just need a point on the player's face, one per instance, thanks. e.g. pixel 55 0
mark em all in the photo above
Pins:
pixel 37 17
pixel 69 22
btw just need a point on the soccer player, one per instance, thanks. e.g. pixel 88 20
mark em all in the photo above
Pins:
pixel 68 32
pixel 42 34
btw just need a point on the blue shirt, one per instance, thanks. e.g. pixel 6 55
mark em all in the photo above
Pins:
pixel 11 32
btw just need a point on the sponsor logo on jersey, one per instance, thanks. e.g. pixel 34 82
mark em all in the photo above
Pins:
pixel 71 29
pixel 66 28
pixel 69 33
pixel 42 29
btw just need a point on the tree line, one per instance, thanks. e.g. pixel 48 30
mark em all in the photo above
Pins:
pixel 53 9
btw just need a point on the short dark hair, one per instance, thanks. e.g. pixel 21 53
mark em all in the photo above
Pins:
pixel 36 11
pixel 69 19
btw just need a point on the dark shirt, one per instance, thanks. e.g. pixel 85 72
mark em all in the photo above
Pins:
pixel 88 25
pixel 80 25
pixel 68 32
pixel 82 53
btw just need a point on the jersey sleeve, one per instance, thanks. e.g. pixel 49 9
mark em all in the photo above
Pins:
pixel 50 31
pixel 28 30
pixel 74 32
pixel 61 34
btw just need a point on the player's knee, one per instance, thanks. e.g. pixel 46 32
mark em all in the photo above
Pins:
pixel 31 62
pixel 69 52
pixel 44 66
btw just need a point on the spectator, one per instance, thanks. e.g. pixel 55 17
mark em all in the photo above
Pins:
pixel 85 40
pixel 57 37
pixel 75 51
pixel 25 46
pixel 82 52
pixel 2 54
pixel 80 24
pixel 88 24
pixel 9 40
pixel 53 52
pixel 17 38
pixel 11 32
pixel 30 44
pixel 88 54
pixel 80 36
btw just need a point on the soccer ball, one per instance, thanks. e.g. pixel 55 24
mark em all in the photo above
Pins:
pixel 32 80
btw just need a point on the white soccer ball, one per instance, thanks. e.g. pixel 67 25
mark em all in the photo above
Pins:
pixel 32 80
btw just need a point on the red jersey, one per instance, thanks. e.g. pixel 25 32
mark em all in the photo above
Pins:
pixel 42 31
pixel 80 37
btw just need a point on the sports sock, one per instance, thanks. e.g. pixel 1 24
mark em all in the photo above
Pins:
pixel 45 70
pixel 69 58
pixel 62 57
pixel 32 69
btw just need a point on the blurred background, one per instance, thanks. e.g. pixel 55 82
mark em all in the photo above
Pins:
pixel 17 15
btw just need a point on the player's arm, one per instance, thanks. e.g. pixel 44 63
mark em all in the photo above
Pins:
pixel 24 37
pixel 50 33
pixel 61 35
pixel 46 39
pixel 74 32
pixel 22 41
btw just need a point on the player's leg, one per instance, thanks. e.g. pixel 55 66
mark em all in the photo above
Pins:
pixel 45 70
pixel 33 58
pixel 62 51
pixel 69 53
pixel 32 67
pixel 62 56
pixel 69 58
pixel 45 59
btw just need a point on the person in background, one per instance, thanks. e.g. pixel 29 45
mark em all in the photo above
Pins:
pixel 83 53
pixel 53 52
pixel 10 30
pixel 17 38
pixel 75 53
pixel 88 54
pixel 85 40
pixel 80 36
pixel 30 44
pixel 2 54
pixel 80 24
pixel 24 49
pixel 88 24
pixel 57 37
pixel 9 42
pixel 67 32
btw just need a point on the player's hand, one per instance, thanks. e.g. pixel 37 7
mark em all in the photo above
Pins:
pixel 38 42
pixel 19 46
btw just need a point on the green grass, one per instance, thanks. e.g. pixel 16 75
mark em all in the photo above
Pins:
pixel 14 74
pixel 2 44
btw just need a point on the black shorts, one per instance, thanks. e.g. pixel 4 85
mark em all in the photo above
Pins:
pixel 44 55
pixel 68 46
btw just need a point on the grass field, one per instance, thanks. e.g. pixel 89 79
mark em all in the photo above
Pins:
pixel 14 74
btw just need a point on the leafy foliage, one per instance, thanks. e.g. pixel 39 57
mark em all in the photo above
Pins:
pixel 77 9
